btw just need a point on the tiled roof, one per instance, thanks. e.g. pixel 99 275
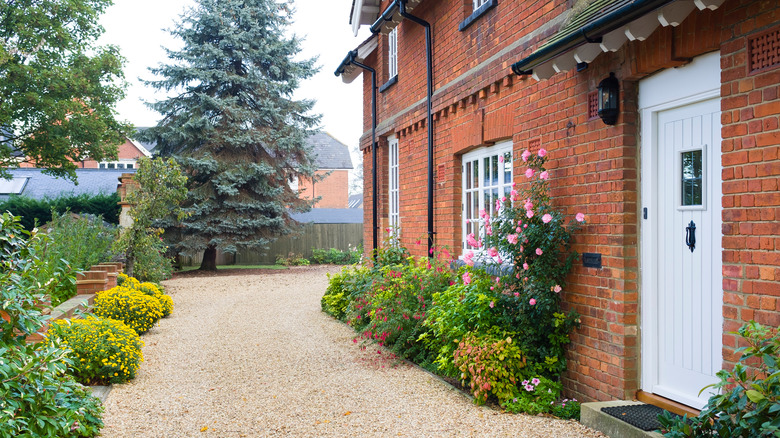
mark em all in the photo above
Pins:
pixel 355 201
pixel 331 216
pixel 91 181
pixel 330 153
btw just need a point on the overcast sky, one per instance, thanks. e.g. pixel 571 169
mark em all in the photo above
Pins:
pixel 137 27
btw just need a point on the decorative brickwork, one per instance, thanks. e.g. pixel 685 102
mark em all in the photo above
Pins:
pixel 764 50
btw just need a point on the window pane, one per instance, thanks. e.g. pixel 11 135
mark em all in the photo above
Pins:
pixel 469 212
pixel 486 171
pixel 508 168
pixel 111 165
pixel 692 178
pixel 476 174
pixel 494 174
pixel 468 175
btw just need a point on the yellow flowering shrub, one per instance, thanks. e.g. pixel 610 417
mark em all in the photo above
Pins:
pixel 136 309
pixel 103 350
pixel 149 289
pixel 167 304
pixel 123 279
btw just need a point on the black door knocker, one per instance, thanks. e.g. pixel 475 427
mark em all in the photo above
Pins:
pixel 690 236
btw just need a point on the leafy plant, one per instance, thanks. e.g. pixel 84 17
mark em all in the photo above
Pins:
pixel 749 405
pixel 37 396
pixel 292 259
pixel 103 350
pixel 490 364
pixel 136 309
pixel 77 242
pixel 540 395
pixel 34 212
pixel 336 256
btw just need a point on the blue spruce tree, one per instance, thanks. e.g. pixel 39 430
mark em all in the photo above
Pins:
pixel 234 126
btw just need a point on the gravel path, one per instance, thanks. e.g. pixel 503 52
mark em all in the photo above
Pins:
pixel 253 356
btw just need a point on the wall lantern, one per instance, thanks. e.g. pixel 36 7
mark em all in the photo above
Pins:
pixel 609 97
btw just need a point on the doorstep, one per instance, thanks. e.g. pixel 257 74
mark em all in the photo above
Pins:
pixel 592 416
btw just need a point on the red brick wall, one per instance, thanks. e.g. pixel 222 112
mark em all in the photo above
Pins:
pixel 594 168
pixel 333 190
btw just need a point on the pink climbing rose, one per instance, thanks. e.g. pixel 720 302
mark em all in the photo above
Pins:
pixel 547 218
pixel 466 278
pixel 526 155
pixel 557 288
pixel 544 175
pixel 529 173
pixel 512 238
pixel 538 251
pixel 468 258
pixel 580 217
pixel 532 301
pixel 529 214
pixel 493 252
pixel 525 266
pixel 542 152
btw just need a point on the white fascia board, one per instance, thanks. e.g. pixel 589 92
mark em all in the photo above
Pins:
pixel 140 148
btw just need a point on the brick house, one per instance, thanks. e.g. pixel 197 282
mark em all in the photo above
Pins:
pixel 128 154
pixel 695 143
pixel 333 165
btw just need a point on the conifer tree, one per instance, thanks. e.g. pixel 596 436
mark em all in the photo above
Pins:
pixel 233 124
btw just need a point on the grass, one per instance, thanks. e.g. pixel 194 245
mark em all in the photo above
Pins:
pixel 273 267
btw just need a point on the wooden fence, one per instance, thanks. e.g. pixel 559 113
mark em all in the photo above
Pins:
pixel 317 236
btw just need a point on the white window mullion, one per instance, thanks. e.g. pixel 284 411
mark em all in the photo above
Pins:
pixel 392 53
pixel 478 3
pixel 393 187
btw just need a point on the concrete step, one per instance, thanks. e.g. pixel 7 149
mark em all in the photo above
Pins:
pixel 592 417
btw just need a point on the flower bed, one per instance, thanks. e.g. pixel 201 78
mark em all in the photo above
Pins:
pixel 496 322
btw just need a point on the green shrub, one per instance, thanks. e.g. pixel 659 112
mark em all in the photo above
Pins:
pixel 292 260
pixel 749 405
pixel 540 395
pixel 82 241
pixel 336 299
pixel 490 364
pixel 34 212
pixel 336 256
pixel 166 302
pixel 151 264
pixel 149 288
pixel 136 309
pixel 132 282
pixel 38 397
pixel 104 350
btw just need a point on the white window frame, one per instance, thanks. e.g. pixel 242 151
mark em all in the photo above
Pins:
pixel 115 164
pixel 480 191
pixel 393 195
pixel 392 53
pixel 479 3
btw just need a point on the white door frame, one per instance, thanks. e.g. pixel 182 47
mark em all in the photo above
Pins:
pixel 668 89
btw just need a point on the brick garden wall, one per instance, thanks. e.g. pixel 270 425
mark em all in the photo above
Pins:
pixel 594 168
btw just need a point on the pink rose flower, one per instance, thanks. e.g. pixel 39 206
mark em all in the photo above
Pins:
pixel 488 230
pixel 500 158
pixel 542 152
pixel 532 301
pixel 528 205
pixel 547 218
pixel 466 278
pixel 472 241
pixel 557 288
pixel 512 238
pixel 529 173
pixel 525 266
pixel 468 258
pixel 544 175
pixel 492 304
pixel 482 212
pixel 492 252
pixel 538 251
pixel 526 155
pixel 580 217
pixel 529 214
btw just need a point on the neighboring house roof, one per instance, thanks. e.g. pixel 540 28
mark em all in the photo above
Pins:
pixel 331 216
pixel 149 146
pixel 330 153
pixel 35 184
pixel 355 201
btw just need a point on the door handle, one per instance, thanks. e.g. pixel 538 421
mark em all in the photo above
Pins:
pixel 690 236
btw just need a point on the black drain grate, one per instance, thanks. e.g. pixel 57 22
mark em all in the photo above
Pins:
pixel 642 416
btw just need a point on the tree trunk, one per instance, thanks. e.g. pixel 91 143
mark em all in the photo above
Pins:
pixel 209 262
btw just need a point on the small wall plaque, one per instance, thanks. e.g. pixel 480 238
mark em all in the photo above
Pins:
pixel 591 260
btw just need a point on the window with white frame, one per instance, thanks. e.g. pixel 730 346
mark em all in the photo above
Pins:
pixel 478 3
pixel 130 164
pixel 393 186
pixel 487 177
pixel 392 53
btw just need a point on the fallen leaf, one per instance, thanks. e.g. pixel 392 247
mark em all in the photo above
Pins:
pixel 347 413
pixel 204 428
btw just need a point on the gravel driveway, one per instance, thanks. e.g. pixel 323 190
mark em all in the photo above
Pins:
pixel 253 356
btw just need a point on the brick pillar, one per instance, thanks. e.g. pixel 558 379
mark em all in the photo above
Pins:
pixel 126 186
pixel 91 282
pixel 111 270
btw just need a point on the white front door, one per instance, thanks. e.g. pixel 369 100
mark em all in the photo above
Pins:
pixel 682 295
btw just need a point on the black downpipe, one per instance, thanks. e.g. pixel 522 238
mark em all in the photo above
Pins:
pixel 429 68
pixel 373 152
